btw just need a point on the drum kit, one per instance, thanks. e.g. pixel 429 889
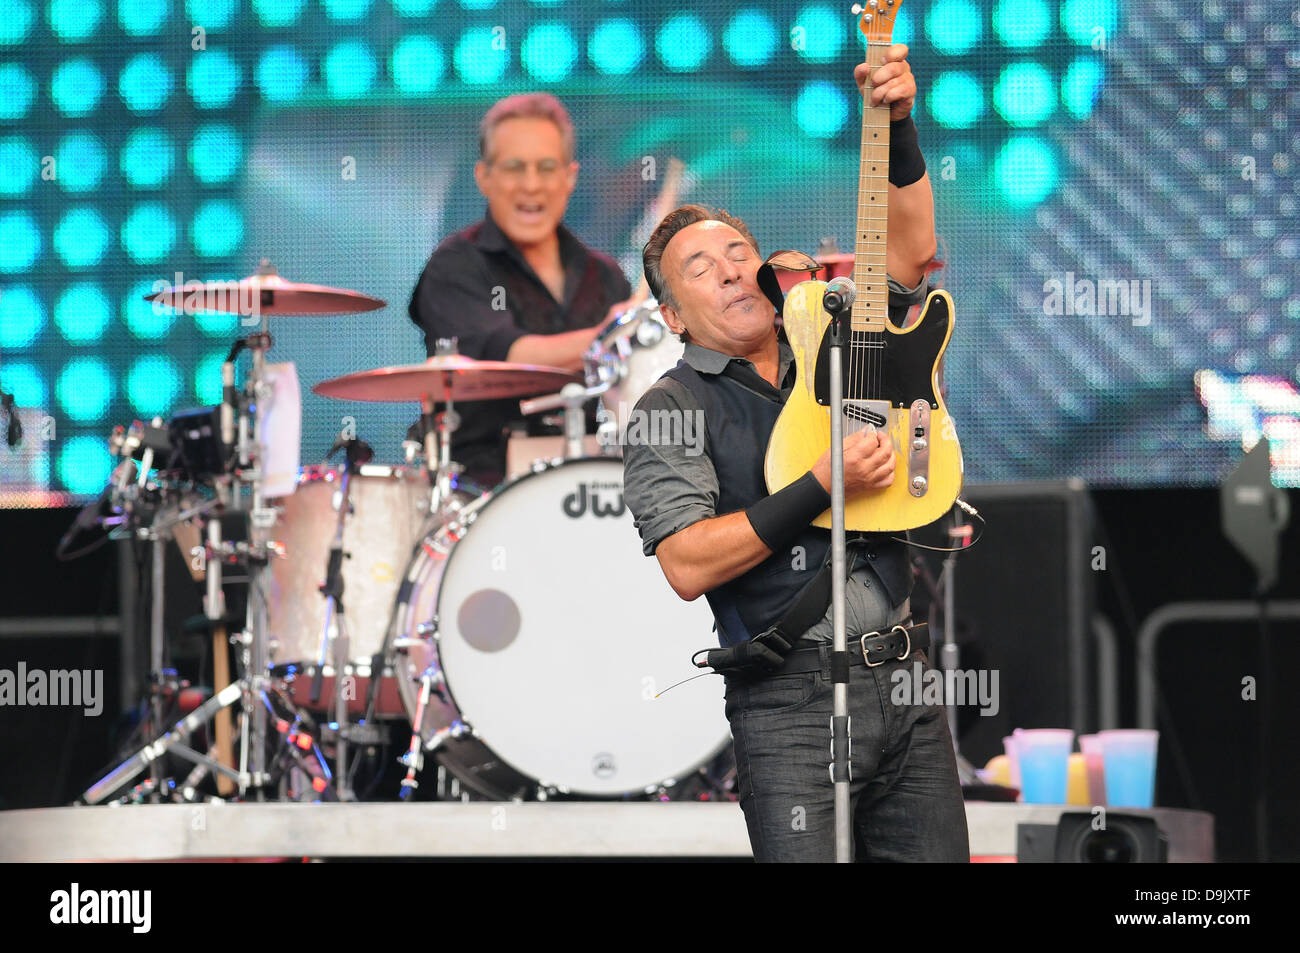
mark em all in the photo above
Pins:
pixel 517 630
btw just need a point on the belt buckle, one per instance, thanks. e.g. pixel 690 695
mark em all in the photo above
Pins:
pixel 907 646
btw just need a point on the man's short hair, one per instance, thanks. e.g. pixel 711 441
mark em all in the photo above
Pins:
pixel 653 253
pixel 526 106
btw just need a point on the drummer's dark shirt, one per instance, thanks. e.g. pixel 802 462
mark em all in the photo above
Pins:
pixel 478 288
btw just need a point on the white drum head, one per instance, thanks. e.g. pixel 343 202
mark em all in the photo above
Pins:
pixel 555 633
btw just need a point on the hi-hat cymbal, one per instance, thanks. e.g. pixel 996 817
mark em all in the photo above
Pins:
pixel 447 376
pixel 264 293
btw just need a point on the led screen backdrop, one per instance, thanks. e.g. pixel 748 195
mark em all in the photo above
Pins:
pixel 1115 183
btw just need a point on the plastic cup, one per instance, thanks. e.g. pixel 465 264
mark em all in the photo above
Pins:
pixel 1044 764
pixel 1130 759
pixel 1009 746
pixel 1090 745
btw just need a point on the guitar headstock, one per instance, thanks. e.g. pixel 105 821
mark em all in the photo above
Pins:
pixel 876 19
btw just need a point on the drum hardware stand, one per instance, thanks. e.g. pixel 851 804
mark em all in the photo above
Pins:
pixel 949 653
pixel 572 397
pixel 356 453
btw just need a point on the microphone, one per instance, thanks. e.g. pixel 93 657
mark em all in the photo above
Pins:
pixel 840 295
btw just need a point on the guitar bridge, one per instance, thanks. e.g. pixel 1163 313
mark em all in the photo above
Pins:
pixel 918 448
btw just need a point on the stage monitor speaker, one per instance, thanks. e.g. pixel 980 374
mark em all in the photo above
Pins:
pixel 1075 839
pixel 1023 608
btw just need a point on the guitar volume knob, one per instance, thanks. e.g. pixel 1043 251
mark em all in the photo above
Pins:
pixel 918 482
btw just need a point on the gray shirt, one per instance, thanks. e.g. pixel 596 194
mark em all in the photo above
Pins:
pixel 671 484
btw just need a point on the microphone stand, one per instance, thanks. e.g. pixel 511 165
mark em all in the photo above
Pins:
pixel 841 768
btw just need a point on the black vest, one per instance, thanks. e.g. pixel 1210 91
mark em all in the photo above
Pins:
pixel 739 424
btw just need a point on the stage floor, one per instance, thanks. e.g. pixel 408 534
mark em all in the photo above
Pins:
pixel 479 830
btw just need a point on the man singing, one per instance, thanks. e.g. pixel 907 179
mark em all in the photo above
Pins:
pixel 717 532
pixel 517 286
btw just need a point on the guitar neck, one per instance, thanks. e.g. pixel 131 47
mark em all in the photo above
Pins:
pixel 870 309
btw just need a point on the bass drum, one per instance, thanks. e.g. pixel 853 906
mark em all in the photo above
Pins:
pixel 551 636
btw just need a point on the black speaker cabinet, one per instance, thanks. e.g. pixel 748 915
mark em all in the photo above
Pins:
pixel 1024 596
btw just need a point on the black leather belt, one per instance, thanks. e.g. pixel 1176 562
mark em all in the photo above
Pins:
pixel 871 650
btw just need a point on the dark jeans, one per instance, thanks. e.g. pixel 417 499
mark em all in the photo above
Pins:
pixel 905 798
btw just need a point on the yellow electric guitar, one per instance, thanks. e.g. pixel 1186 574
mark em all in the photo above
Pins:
pixel 891 376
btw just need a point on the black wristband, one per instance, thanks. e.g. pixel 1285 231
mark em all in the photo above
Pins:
pixel 778 519
pixel 906 164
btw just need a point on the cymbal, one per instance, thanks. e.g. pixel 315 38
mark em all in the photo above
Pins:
pixel 264 293
pixel 447 376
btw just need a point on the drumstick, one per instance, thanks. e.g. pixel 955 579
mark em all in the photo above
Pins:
pixel 662 205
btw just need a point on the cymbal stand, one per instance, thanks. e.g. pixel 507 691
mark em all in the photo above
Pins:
pixel 571 397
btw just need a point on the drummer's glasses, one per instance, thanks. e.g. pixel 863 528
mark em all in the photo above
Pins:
pixel 517 169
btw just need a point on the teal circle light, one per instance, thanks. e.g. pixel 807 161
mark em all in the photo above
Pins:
pixel 1080 85
pixel 683 43
pixel 281 74
pixel 750 39
pixel 25 381
pixel 1024 94
pixel 902 32
pixel 16 23
pixel 74 20
pixel 821 109
pixel 417 64
pixel 278 13
pixel 85 465
pixel 953 26
pixel 349 69
pixel 549 52
pixel 22 319
pixel 152 385
pixel 616 47
pixel 145 319
pixel 149 232
pixel 213 79
pixel 20 242
pixel 207 378
pixel 80 160
pixel 1025 171
pixel 19 159
pixel 84 389
pixel 82 313
pixel 215 153
pixel 413 8
pixel 1021 24
pixel 147 158
pixel 145 83
pixel 818 33
pixel 75 86
pixel 956 100
pixel 81 238
pixel 142 17
pixel 218 229
pixel 346 10
pixel 210 14
pixel 216 324
pixel 17 90
pixel 1090 22
pixel 481 55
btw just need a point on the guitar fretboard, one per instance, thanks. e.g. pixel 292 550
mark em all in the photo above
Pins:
pixel 870 309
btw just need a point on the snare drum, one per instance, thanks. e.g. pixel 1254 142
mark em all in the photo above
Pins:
pixel 631 354
pixel 551 635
